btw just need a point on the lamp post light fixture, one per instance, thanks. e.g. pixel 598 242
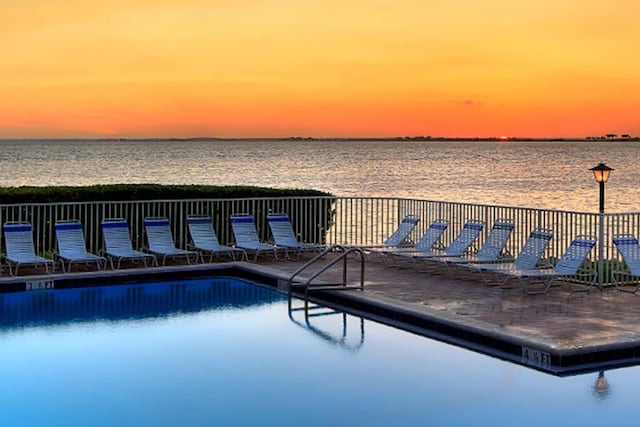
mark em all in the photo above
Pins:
pixel 601 174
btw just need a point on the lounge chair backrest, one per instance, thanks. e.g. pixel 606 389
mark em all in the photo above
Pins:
pixel 19 239
pixel 533 249
pixel 628 246
pixel 116 235
pixel 201 230
pixel 432 235
pixel 159 234
pixel 70 238
pixel 282 230
pixel 496 240
pixel 244 230
pixel 575 255
pixel 405 228
pixel 469 233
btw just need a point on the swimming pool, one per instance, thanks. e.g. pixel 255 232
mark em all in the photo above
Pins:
pixel 220 351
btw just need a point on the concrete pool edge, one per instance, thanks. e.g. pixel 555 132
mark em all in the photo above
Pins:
pixel 486 339
pixel 473 334
pixel 476 335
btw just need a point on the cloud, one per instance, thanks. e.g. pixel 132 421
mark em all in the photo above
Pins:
pixel 469 103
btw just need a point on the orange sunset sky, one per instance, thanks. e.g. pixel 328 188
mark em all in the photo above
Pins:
pixel 370 68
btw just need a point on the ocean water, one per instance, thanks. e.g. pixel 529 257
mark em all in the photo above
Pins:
pixel 548 174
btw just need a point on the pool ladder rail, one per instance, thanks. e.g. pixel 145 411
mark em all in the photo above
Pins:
pixel 338 334
pixel 309 285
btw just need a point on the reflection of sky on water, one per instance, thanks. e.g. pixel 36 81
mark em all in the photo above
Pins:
pixel 531 174
pixel 254 366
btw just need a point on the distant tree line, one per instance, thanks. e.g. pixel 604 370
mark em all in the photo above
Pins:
pixel 613 136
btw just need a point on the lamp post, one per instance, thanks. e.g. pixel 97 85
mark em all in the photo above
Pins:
pixel 601 174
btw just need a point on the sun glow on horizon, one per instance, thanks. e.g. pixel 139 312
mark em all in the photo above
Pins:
pixel 278 68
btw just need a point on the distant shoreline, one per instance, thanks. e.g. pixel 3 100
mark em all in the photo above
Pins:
pixel 388 139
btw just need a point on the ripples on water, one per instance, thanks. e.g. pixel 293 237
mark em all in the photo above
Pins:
pixel 533 174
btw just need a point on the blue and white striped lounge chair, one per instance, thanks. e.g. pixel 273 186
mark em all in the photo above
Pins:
pixel 205 240
pixel 528 258
pixel 400 237
pixel 459 246
pixel 491 251
pixel 246 237
pixel 72 246
pixel 569 266
pixel 18 238
pixel 627 245
pixel 117 244
pixel 285 237
pixel 428 242
pixel 161 244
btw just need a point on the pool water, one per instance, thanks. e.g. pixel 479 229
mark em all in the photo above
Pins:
pixel 221 352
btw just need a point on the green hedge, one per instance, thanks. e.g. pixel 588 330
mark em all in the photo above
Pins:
pixel 127 192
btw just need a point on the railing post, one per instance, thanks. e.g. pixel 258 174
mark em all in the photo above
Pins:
pixel 601 250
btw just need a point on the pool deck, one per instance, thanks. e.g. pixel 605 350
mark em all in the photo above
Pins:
pixel 561 332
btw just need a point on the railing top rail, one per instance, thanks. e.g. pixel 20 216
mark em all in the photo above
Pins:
pixel 331 198
pixel 480 205
pixel 617 214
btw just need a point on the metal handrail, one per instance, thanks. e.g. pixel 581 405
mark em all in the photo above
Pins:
pixel 339 286
pixel 340 341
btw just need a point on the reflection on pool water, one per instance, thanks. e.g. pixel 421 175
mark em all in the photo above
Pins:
pixel 222 352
